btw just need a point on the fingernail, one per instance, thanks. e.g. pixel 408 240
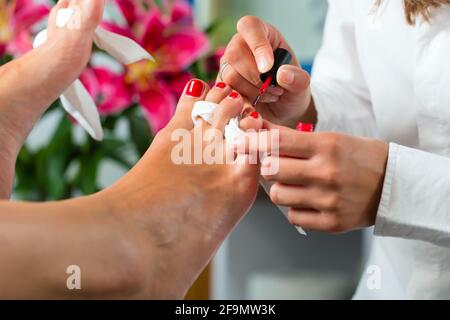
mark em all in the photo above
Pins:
pixel 221 85
pixel 305 127
pixel 263 63
pixel 195 88
pixel 277 91
pixel 234 95
pixel 254 115
pixel 287 76
pixel 272 99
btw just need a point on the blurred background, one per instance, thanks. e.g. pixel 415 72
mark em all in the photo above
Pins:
pixel 265 257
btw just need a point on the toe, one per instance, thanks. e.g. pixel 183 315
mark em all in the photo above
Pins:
pixel 220 91
pixel 229 108
pixel 61 4
pixel 195 90
pixel 252 121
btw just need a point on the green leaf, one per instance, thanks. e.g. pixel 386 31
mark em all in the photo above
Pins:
pixel 89 170
pixel 5 59
pixel 56 159
pixel 140 132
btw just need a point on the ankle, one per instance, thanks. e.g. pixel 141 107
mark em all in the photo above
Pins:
pixel 174 239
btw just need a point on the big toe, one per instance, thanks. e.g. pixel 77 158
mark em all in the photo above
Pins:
pixel 195 90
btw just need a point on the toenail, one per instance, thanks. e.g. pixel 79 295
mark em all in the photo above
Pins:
pixel 254 115
pixel 234 95
pixel 221 85
pixel 195 88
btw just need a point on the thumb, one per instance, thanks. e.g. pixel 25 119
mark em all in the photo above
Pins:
pixel 293 79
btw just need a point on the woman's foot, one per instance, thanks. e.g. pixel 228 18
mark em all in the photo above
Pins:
pixel 31 83
pixel 181 213
pixel 72 43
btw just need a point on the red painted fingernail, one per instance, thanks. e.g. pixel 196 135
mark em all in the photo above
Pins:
pixel 221 85
pixel 254 115
pixel 195 88
pixel 234 95
pixel 305 127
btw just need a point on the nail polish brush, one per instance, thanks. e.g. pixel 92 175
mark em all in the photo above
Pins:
pixel 269 79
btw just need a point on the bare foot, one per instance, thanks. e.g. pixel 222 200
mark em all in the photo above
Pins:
pixel 73 42
pixel 182 213
pixel 31 83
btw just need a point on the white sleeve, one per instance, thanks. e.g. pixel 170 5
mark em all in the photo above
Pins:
pixel 415 202
pixel 339 88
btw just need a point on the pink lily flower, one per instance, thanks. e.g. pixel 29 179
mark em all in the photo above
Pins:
pixel 109 90
pixel 17 17
pixel 176 44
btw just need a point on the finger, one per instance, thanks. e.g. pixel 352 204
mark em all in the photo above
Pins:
pixel 255 32
pixel 298 196
pixel 313 220
pixel 268 98
pixel 293 79
pixel 277 141
pixel 292 143
pixel 275 91
pixel 229 108
pixel 289 171
pixel 239 56
pixel 195 90
pixel 230 76
pixel 220 91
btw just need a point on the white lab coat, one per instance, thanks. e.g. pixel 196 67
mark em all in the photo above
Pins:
pixel 377 76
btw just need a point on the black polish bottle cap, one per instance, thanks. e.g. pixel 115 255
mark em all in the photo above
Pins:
pixel 282 57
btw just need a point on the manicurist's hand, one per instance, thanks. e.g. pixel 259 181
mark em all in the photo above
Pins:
pixel 250 53
pixel 331 182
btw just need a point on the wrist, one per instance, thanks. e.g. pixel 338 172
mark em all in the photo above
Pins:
pixel 380 157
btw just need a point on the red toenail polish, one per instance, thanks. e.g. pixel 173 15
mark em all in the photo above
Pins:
pixel 195 88
pixel 254 115
pixel 221 85
pixel 305 127
pixel 234 95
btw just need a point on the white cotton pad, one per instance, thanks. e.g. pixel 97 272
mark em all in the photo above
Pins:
pixel 205 110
